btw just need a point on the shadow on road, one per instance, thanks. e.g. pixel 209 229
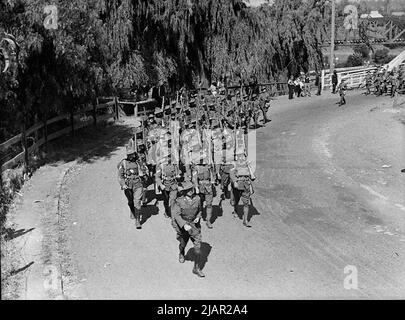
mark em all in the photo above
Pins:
pixel 14 272
pixel 12 234
pixel 205 252
pixel 148 212
pixel 89 144
pixel 252 211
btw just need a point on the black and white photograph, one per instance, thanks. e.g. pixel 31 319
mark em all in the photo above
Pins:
pixel 185 151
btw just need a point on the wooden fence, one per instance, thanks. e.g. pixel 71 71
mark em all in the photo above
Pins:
pixel 39 134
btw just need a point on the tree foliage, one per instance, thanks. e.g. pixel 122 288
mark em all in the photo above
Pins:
pixel 104 47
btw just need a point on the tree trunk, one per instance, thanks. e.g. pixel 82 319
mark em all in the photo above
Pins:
pixel 72 123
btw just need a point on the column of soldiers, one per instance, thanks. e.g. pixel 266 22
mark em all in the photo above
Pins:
pixel 187 150
pixel 386 82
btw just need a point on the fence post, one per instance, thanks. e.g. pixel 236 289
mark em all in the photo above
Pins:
pixel 116 109
pixel 323 80
pixel 95 107
pixel 24 143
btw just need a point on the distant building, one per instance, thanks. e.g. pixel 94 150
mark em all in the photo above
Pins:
pixel 372 14
pixel 398 13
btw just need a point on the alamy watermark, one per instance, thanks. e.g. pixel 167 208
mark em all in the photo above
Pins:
pixel 51 20
pixel 351 280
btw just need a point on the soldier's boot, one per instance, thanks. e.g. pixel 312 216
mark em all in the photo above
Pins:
pixel 196 269
pixel 132 213
pixel 209 216
pixel 138 219
pixel 245 216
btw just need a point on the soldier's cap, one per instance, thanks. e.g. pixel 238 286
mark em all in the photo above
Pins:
pixel 186 185
pixel 158 110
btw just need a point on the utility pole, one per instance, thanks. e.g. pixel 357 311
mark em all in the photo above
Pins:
pixel 332 39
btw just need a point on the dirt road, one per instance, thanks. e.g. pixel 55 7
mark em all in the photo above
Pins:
pixel 329 195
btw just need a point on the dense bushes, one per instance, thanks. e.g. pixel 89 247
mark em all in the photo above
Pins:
pixel 382 56
pixel 362 50
pixel 354 60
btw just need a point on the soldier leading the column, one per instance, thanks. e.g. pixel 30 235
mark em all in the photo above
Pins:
pixel 130 176
pixel 186 221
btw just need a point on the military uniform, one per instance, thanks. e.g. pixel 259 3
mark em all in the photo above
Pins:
pixel 130 177
pixel 368 82
pixel 256 111
pixel 342 92
pixel 143 162
pixel 186 213
pixel 166 178
pixel 242 189
pixel 224 171
pixel 203 180
pixel 167 116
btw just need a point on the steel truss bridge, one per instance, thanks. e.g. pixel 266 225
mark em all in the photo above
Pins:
pixel 386 30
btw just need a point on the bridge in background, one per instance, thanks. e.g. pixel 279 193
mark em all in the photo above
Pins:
pixel 385 30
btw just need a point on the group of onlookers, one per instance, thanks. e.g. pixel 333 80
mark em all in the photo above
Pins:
pixel 301 85
pixel 379 82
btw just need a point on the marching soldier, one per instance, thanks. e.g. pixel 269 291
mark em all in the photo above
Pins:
pixel 342 92
pixel 242 189
pixel 130 176
pixel 203 178
pixel 159 117
pixel 395 85
pixel 224 175
pixel 368 82
pixel 265 106
pixel 142 153
pixel 186 213
pixel 167 116
pixel 167 174
pixel 256 110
